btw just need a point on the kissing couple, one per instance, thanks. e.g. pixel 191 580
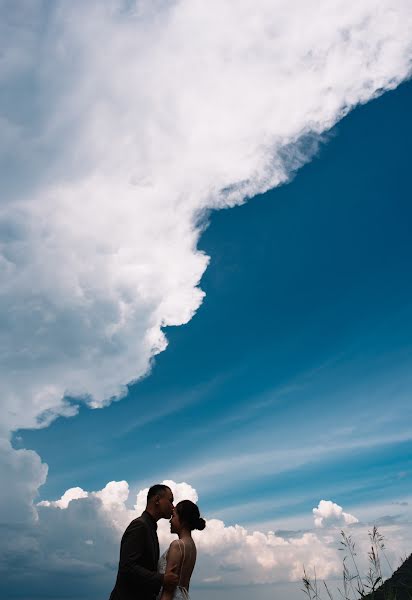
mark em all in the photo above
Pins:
pixel 142 575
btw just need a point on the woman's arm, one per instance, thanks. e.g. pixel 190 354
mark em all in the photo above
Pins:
pixel 173 565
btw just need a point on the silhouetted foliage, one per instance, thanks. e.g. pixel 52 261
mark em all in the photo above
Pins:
pixel 370 587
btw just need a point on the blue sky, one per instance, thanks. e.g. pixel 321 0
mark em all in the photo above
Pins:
pixel 303 342
pixel 205 256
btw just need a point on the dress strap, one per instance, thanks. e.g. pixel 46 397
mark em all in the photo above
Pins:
pixel 183 560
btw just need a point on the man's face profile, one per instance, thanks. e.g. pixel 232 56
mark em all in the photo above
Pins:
pixel 166 504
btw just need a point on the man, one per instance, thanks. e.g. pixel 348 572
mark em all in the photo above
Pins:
pixel 137 577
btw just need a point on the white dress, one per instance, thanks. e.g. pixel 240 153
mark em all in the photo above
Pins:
pixel 180 592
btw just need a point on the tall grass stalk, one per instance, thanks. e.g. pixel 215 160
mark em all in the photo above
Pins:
pixel 354 586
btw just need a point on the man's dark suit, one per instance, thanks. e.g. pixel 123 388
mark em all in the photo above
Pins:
pixel 137 577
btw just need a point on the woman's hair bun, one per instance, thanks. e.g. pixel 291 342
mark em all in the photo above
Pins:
pixel 189 514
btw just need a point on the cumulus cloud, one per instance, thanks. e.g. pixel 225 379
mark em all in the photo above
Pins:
pixel 69 495
pixel 243 556
pixel 328 513
pixel 124 123
pixel 77 538
pixel 22 473
pixel 79 535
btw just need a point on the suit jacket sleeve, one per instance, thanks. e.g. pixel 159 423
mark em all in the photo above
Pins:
pixel 131 553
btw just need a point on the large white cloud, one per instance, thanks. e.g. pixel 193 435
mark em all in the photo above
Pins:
pixel 77 538
pixel 122 124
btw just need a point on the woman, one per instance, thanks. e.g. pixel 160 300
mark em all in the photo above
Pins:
pixel 180 557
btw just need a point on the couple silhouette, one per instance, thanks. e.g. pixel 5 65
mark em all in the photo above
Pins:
pixel 142 574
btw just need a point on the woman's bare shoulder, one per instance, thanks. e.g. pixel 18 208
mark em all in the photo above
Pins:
pixel 175 546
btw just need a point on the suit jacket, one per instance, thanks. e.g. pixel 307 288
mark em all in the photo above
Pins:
pixel 137 577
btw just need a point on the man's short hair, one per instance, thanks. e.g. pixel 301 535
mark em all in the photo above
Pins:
pixel 157 490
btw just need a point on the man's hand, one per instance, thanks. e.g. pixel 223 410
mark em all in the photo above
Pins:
pixel 170 579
